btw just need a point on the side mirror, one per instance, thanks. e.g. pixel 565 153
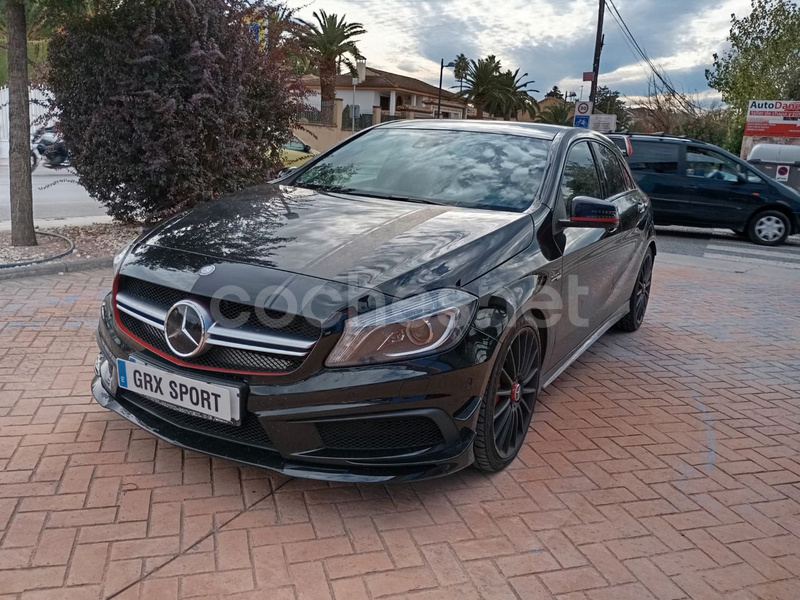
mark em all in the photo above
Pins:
pixel 306 148
pixel 592 212
pixel 741 177
pixel 285 171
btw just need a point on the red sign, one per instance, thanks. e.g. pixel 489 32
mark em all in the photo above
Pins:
pixel 588 76
pixel 773 118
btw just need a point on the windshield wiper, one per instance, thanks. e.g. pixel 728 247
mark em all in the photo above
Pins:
pixel 325 188
pixel 414 199
pixel 399 197
pixel 356 192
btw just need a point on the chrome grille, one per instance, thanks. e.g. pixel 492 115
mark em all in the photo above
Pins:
pixel 252 347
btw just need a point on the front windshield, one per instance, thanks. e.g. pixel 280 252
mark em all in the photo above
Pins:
pixel 457 168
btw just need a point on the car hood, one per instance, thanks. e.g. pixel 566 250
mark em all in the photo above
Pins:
pixel 394 246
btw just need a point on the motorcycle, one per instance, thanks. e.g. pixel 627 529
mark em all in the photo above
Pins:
pixel 49 149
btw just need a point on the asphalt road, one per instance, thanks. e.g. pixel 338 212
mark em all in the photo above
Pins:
pixel 723 244
pixel 56 195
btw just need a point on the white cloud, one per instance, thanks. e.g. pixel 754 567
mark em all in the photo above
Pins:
pixel 551 39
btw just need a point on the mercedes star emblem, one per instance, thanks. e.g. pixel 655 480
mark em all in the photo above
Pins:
pixel 186 328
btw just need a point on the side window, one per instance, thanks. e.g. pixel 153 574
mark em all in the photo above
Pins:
pixel 708 164
pixel 616 182
pixel 654 157
pixel 752 177
pixel 580 175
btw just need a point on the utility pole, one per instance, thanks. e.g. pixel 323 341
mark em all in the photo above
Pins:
pixel 598 47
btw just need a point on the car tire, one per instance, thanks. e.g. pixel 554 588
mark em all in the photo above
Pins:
pixel 769 228
pixel 510 398
pixel 640 296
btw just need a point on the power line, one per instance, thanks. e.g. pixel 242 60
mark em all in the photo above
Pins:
pixel 625 39
pixel 662 77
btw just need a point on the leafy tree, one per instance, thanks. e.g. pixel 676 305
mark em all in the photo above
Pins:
pixel 763 61
pixel 555 93
pixel 331 42
pixel 167 103
pixel 608 102
pixel 281 38
pixel 665 110
pixel 556 114
pixel 461 69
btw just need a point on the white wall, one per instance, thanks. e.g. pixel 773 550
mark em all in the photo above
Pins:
pixel 38 107
pixel 366 99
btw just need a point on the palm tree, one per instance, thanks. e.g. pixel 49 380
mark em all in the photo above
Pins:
pixel 330 42
pixel 556 114
pixel 483 84
pixel 514 98
pixel 461 69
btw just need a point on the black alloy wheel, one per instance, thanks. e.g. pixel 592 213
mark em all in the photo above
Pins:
pixel 640 297
pixel 510 398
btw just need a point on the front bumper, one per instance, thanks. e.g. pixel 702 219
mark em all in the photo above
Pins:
pixel 370 424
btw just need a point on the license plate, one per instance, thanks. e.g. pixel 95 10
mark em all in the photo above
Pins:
pixel 184 394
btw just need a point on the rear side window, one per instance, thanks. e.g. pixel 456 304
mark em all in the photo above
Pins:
pixel 616 182
pixel 654 157
pixel 708 164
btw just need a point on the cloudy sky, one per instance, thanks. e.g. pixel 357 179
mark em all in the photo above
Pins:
pixel 552 40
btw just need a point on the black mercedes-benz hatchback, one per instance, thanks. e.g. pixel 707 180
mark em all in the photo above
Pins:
pixel 388 311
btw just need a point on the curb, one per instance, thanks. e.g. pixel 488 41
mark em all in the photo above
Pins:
pixel 53 268
pixel 46 259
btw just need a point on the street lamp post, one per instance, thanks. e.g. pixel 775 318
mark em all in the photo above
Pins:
pixel 353 107
pixel 449 65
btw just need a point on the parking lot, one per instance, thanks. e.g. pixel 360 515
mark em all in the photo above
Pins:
pixel 663 464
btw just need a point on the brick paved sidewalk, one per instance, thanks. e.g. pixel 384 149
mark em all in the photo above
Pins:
pixel 665 464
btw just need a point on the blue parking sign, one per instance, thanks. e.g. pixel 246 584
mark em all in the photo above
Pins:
pixel 581 121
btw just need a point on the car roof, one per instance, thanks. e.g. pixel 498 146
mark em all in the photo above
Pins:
pixel 535 130
pixel 661 137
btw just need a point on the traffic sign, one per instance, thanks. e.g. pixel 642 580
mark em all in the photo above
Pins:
pixel 603 123
pixel 782 173
pixel 583 108
pixel 581 121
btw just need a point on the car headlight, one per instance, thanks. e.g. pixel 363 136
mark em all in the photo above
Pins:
pixel 431 321
pixel 120 256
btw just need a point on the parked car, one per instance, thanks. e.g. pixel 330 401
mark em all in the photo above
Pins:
pixel 388 311
pixel 296 152
pixel 697 184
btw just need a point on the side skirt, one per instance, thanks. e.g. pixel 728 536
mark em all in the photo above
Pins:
pixel 608 324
